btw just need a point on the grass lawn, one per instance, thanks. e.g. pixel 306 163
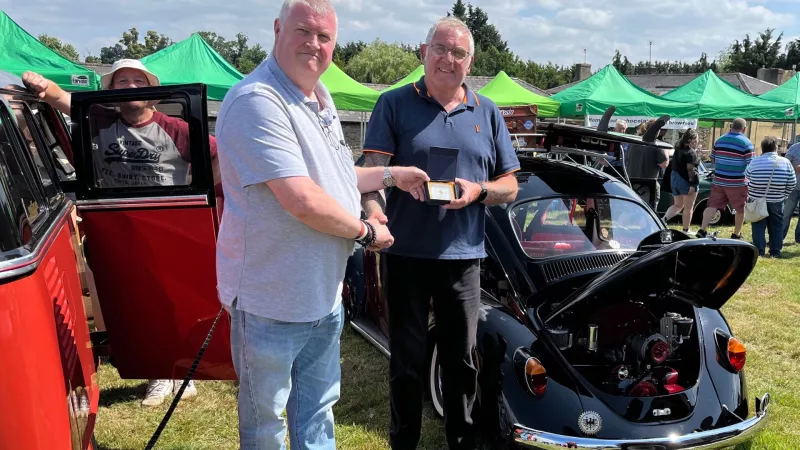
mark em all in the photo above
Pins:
pixel 765 314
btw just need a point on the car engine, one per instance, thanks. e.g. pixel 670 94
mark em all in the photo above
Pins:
pixel 629 349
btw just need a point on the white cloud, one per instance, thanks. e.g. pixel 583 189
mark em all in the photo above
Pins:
pixel 542 30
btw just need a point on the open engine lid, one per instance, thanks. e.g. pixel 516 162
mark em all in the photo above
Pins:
pixel 702 272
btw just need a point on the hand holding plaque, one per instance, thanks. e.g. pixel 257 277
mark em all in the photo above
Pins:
pixel 441 169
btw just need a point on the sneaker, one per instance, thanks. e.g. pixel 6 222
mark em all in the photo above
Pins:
pixel 736 236
pixel 689 232
pixel 701 233
pixel 189 392
pixel 157 391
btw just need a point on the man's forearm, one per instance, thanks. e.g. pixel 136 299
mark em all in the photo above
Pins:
pixel 311 205
pixel 501 190
pixel 373 201
pixel 370 179
pixel 58 98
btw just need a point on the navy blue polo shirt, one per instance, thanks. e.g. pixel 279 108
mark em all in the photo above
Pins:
pixel 405 124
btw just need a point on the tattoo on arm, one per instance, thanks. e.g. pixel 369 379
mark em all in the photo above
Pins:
pixel 500 191
pixel 374 200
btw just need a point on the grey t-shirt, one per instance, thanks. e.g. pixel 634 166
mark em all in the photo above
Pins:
pixel 274 264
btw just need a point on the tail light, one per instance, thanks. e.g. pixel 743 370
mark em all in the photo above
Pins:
pixel 535 376
pixel 737 354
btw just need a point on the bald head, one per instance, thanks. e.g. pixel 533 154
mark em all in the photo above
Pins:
pixel 738 125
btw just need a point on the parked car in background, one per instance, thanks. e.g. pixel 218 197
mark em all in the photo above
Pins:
pixel 598 327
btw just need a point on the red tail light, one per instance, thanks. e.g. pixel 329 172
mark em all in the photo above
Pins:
pixel 737 354
pixel 535 376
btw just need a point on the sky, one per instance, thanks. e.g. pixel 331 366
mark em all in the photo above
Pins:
pixel 539 30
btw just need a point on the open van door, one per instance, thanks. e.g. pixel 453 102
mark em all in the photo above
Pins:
pixel 149 219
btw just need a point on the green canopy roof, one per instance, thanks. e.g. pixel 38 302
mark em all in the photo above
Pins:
pixel 415 75
pixel 20 52
pixel 788 92
pixel 718 99
pixel 192 60
pixel 347 93
pixel 594 95
pixel 506 92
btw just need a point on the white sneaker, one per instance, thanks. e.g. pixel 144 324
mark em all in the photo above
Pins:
pixel 157 391
pixel 189 392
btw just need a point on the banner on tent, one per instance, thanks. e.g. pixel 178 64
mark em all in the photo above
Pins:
pixel 635 121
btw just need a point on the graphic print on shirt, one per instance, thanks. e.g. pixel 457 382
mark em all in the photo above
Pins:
pixel 137 156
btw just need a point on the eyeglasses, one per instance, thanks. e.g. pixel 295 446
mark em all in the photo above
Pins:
pixel 439 50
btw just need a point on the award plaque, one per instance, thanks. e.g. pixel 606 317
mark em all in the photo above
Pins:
pixel 441 169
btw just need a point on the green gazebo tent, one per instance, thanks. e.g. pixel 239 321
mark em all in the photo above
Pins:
pixel 506 92
pixel 788 92
pixel 192 60
pixel 718 99
pixel 347 93
pixel 415 75
pixel 20 52
pixel 608 87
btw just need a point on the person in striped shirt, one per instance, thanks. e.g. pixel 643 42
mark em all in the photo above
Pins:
pixel 770 176
pixel 731 155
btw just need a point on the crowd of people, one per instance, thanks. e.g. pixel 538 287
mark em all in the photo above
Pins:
pixel 740 178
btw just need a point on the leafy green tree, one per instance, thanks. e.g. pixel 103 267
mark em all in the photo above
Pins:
pixel 381 62
pixel 66 50
pixel 92 59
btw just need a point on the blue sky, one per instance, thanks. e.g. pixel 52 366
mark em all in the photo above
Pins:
pixel 542 30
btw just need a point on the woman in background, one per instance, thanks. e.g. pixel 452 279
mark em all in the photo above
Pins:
pixel 684 178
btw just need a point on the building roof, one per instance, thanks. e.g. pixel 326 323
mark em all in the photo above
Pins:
pixel 661 83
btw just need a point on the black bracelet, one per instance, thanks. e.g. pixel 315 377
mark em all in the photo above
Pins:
pixel 371 236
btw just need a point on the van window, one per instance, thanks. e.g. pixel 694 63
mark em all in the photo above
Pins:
pixel 152 153
pixel 26 202
pixel 36 148
pixel 64 169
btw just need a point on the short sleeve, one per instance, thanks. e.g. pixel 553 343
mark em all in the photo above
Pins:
pixel 661 155
pixel 507 160
pixel 257 137
pixel 381 135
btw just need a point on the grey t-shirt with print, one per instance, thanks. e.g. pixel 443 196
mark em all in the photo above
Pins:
pixel 273 264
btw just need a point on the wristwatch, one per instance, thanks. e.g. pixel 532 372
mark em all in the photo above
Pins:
pixel 484 193
pixel 388 179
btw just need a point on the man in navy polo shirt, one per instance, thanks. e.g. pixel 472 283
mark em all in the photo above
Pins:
pixel 437 249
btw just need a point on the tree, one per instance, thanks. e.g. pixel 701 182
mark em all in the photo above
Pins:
pixel 459 10
pixel 237 52
pixel 130 47
pixel 110 55
pixel 66 50
pixel 381 62
pixel 92 59
pixel 343 54
pixel 484 33
pixel 748 56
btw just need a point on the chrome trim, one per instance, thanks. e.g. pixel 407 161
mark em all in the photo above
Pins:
pixel 704 440
pixel 143 202
pixel 29 262
pixel 369 338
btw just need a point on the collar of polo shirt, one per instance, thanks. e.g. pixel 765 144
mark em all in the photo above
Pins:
pixel 470 98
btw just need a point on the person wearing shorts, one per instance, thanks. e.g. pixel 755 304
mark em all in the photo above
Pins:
pixel 732 154
pixel 684 179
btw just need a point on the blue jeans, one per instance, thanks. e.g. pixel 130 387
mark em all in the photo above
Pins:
pixel 291 365
pixel 788 209
pixel 773 224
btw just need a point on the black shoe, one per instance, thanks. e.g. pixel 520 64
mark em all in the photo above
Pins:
pixel 701 233
pixel 736 236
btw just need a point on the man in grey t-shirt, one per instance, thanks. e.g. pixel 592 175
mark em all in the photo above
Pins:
pixel 291 220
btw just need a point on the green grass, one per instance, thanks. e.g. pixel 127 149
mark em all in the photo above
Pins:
pixel 765 314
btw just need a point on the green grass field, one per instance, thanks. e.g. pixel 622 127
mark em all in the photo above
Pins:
pixel 765 314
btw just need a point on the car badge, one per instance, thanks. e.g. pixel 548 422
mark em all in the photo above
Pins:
pixel 666 237
pixel 590 423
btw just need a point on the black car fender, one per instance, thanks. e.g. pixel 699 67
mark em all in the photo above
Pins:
pixel 504 399
pixel 731 387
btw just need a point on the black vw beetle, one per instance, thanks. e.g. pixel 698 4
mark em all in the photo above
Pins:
pixel 600 328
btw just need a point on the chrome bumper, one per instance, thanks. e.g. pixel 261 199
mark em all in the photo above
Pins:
pixel 704 440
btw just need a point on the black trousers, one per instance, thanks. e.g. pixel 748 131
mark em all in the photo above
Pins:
pixel 454 286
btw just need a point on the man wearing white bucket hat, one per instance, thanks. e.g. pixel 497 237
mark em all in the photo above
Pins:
pixel 161 140
pixel 159 152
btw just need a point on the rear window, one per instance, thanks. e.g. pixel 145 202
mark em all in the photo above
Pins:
pixel 559 226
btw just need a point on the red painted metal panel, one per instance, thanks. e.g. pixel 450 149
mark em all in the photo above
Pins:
pixel 155 272
pixel 46 355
